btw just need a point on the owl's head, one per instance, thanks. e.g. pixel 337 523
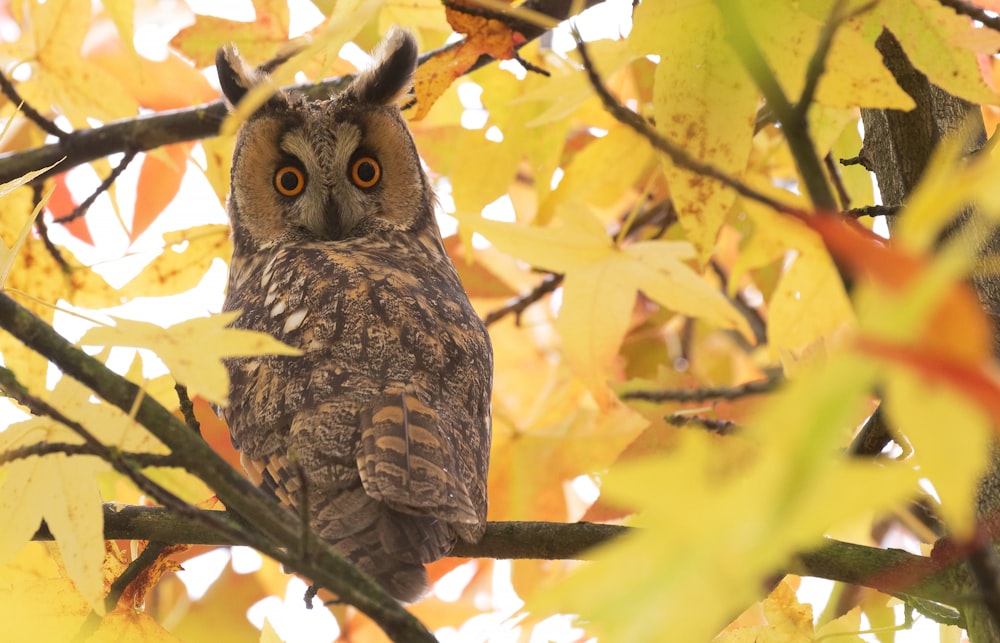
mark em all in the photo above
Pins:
pixel 327 169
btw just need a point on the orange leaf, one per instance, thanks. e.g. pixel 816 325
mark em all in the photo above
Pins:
pixel 958 327
pixel 483 36
pixel 972 381
pixel 215 432
pixel 437 75
pixel 171 83
pixel 159 181
pixel 62 203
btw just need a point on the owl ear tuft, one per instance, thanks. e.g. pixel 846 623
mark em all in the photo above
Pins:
pixel 391 75
pixel 236 77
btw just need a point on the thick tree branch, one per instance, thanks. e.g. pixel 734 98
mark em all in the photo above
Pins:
pixel 148 132
pixel 892 571
pixel 271 532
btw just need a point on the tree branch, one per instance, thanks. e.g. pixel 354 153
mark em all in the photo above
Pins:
pixel 976 13
pixel 8 90
pixel 272 534
pixel 891 571
pixel 677 154
pixel 105 185
pixel 756 387
pixel 147 132
pixel 518 304
pixel 792 117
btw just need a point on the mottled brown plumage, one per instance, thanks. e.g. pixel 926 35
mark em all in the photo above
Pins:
pixel 385 417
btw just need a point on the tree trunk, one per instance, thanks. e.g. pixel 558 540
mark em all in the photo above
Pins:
pixel 897 148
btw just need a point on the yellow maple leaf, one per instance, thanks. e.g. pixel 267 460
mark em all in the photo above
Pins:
pixel 261 37
pixel 182 263
pixel 940 43
pixel 62 491
pixel 601 282
pixel 703 101
pixel 192 350
pixel 789 621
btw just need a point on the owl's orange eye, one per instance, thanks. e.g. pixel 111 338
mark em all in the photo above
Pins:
pixel 365 172
pixel 289 180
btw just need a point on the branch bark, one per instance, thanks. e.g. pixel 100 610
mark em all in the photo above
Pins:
pixel 892 571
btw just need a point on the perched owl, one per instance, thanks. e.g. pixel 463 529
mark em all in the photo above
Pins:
pixel 380 430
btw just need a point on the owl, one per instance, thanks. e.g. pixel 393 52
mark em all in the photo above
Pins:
pixel 379 432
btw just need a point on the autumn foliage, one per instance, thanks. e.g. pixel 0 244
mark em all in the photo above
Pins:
pixel 687 342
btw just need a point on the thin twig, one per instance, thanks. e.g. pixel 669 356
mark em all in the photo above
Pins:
pixel 81 209
pixel 530 66
pixel 721 427
pixel 37 192
pixel 976 13
pixel 135 569
pixel 843 196
pixel 793 119
pixel 187 408
pixel 138 459
pixel 874 211
pixel 29 112
pixel 142 562
pixel 755 387
pixel 677 154
pixel 150 131
pixel 757 324
pixel 518 304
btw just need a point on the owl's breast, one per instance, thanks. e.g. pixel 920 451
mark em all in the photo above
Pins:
pixel 365 318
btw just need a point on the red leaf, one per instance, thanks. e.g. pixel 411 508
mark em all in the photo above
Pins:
pixel 973 381
pixel 62 203
pixel 159 181
pixel 958 328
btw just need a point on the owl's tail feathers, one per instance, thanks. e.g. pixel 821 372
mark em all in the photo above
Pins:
pixel 409 461
pixel 389 546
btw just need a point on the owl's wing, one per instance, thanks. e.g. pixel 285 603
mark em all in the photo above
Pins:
pixel 408 461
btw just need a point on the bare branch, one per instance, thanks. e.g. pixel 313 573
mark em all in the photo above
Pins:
pixel 892 571
pixel 518 304
pixel 37 194
pixel 793 120
pixel 756 387
pixel 148 132
pixel 8 90
pixel 964 8
pixel 676 153
pixel 874 211
pixel 81 209
pixel 721 427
